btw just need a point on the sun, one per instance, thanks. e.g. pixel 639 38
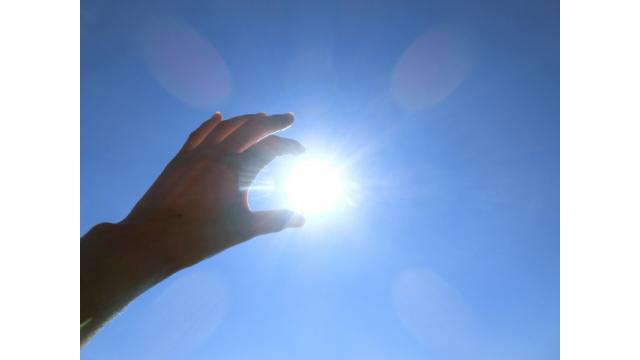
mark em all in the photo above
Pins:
pixel 315 186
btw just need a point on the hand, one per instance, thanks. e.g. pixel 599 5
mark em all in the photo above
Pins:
pixel 198 205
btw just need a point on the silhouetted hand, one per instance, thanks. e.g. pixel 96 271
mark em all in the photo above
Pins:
pixel 196 208
pixel 202 192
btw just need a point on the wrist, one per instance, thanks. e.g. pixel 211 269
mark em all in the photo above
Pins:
pixel 117 264
pixel 118 260
pixel 141 248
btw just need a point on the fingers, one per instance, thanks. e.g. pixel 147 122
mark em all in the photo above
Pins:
pixel 196 137
pixel 254 129
pixel 261 154
pixel 226 128
pixel 270 147
pixel 264 222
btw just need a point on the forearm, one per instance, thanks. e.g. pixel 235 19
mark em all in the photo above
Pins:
pixel 196 208
pixel 118 263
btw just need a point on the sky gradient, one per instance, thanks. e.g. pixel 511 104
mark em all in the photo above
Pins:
pixel 445 114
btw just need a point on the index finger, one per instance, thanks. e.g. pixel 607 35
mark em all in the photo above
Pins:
pixel 251 131
pixel 257 157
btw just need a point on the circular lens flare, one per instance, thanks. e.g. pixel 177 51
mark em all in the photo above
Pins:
pixel 315 186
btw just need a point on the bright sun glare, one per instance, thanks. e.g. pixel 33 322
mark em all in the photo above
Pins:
pixel 315 186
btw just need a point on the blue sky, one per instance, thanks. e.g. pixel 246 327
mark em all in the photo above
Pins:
pixel 446 115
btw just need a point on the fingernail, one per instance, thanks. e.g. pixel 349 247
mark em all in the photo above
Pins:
pixel 297 220
pixel 293 147
pixel 283 120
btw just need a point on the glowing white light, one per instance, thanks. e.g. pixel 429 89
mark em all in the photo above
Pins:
pixel 315 186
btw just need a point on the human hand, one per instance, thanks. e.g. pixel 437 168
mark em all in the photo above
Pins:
pixel 198 206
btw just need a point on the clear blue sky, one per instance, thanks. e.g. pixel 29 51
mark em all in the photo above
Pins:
pixel 447 115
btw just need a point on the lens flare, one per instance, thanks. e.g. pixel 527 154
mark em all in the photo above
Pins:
pixel 315 186
pixel 186 64
pixel 431 69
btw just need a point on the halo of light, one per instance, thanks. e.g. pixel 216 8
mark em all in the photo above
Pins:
pixel 315 186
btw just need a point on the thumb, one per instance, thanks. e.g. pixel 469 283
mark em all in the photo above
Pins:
pixel 264 222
